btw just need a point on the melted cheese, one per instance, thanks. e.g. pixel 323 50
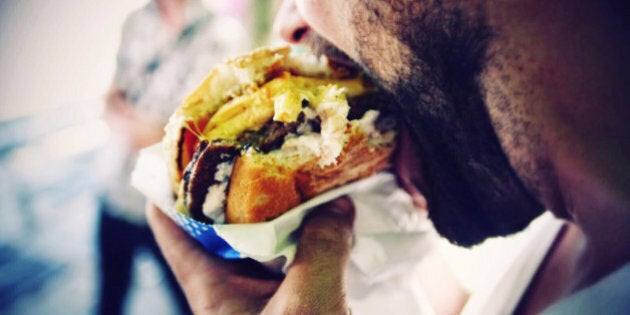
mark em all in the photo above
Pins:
pixel 280 99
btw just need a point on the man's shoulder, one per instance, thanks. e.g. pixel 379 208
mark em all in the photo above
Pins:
pixel 610 295
pixel 139 17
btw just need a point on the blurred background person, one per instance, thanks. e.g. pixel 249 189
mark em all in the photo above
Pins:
pixel 256 16
pixel 167 48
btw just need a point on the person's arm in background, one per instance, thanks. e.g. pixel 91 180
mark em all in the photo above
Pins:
pixel 127 124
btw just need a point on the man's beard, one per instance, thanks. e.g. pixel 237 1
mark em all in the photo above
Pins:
pixel 472 191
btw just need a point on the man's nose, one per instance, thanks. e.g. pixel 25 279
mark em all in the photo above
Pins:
pixel 289 23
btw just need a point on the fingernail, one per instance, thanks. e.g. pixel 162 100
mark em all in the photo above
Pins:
pixel 342 206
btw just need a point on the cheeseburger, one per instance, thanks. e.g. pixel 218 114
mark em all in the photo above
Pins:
pixel 269 130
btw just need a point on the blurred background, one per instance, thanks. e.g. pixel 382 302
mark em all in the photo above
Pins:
pixel 57 61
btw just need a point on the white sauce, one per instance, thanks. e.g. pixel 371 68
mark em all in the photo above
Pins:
pixel 213 205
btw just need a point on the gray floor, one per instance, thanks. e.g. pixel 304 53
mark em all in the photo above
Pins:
pixel 47 229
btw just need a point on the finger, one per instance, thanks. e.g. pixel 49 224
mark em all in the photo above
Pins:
pixel 184 254
pixel 195 270
pixel 208 281
pixel 181 251
pixel 327 230
pixel 315 279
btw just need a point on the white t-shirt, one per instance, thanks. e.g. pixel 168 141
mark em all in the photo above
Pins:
pixel 610 296
pixel 502 294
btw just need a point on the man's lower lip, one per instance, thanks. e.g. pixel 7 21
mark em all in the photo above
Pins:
pixel 342 62
pixel 419 202
pixel 417 197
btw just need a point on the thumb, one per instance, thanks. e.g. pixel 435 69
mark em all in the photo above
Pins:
pixel 326 235
pixel 315 280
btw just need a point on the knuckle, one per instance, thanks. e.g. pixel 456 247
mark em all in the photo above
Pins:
pixel 331 233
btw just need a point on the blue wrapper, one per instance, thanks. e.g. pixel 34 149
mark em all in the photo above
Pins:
pixel 207 236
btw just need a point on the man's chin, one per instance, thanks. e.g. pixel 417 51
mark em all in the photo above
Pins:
pixel 468 233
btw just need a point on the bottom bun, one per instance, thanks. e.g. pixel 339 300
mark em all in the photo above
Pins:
pixel 261 190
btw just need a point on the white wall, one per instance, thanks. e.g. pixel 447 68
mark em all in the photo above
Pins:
pixel 55 53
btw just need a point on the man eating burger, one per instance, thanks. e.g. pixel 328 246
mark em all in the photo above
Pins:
pixel 509 109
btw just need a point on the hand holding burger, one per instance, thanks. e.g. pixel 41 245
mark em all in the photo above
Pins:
pixel 216 286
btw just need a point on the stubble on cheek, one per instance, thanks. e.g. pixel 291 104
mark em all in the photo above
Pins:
pixel 378 45
pixel 429 58
pixel 514 107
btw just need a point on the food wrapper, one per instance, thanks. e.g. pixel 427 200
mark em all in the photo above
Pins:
pixel 391 236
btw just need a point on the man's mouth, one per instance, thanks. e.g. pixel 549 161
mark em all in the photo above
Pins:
pixel 337 59
pixel 407 163
pixel 407 169
pixel 337 62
